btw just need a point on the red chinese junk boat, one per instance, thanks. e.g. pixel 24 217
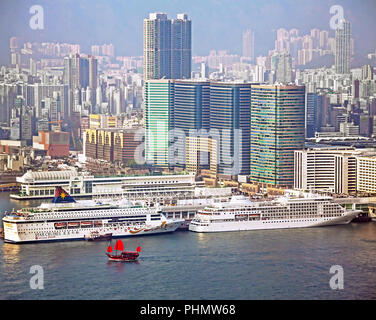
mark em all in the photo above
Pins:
pixel 123 255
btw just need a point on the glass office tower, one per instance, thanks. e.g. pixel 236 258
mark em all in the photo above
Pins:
pixel 277 129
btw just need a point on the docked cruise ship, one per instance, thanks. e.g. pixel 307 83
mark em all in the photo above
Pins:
pixel 66 219
pixel 241 214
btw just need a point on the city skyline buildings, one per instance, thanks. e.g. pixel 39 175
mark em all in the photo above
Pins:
pixel 344 94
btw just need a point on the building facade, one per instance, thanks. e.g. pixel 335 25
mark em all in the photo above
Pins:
pixel 157 47
pixel 230 125
pixel 112 145
pixel 326 169
pixel 159 111
pixel 56 144
pixel 366 174
pixel 167 47
pixel 249 45
pixel 181 47
pixel 191 112
pixel 277 129
pixel 343 48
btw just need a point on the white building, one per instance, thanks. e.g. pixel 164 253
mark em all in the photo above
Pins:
pixel 39 185
pixel 326 169
pixel 366 174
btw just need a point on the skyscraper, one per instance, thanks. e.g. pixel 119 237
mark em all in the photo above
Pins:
pixel 159 108
pixel 284 66
pixel 277 129
pixel 181 53
pixel 230 116
pixel 93 71
pixel 311 114
pixel 191 110
pixel 80 72
pixel 343 47
pixel 249 44
pixel 76 71
pixel 167 47
pixel 157 47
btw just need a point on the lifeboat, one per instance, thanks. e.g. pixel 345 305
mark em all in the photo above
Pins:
pixel 86 224
pixel 60 225
pixel 73 224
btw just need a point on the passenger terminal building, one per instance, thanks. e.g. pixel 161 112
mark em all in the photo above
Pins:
pixel 41 185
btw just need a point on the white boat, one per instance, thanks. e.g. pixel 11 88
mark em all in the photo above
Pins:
pixel 241 214
pixel 66 219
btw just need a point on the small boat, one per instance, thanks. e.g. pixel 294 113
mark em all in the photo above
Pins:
pixel 122 255
pixel 96 236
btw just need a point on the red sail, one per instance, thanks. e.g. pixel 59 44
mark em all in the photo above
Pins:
pixel 119 245
pixel 109 249
pixel 138 249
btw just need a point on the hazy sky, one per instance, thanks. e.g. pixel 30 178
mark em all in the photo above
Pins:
pixel 217 24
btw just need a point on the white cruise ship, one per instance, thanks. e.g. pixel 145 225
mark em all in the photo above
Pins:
pixel 66 219
pixel 241 214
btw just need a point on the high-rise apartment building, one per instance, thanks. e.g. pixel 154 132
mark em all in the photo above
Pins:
pixel 249 44
pixel 8 92
pixel 343 47
pixel 43 91
pixel 181 47
pixel 311 114
pixel 76 71
pixel 323 39
pixel 277 129
pixel 367 72
pixel 93 71
pixel 167 47
pixel 157 47
pixel 284 68
pixel 80 71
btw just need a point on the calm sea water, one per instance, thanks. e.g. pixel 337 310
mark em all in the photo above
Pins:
pixel 274 264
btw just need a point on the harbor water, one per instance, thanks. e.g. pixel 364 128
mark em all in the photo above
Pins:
pixel 268 264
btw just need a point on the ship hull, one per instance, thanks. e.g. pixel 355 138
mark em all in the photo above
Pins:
pixel 12 235
pixel 270 224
